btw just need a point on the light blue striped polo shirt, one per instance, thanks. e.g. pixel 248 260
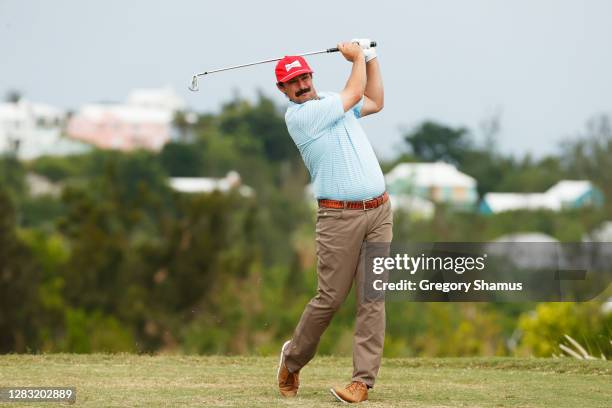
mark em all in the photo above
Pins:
pixel 335 149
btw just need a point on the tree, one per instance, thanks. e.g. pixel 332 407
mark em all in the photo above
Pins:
pixel 19 281
pixel 182 160
pixel 12 176
pixel 13 96
pixel 590 156
pixel 433 142
pixel 263 124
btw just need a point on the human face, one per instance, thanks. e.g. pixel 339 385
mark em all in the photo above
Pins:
pixel 299 89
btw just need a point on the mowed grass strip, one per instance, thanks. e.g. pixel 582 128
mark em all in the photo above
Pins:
pixel 121 380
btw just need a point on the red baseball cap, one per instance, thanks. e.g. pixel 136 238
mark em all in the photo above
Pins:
pixel 290 67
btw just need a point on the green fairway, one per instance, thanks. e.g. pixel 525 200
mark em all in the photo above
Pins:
pixel 122 380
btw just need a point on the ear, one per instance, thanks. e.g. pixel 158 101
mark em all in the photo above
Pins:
pixel 281 87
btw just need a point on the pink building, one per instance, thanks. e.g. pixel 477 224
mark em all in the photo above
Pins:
pixel 145 121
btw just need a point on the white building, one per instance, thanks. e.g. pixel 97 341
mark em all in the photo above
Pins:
pixel 528 250
pixel 197 185
pixel 413 205
pixel 437 182
pixel 532 237
pixel 41 186
pixel 603 233
pixel 565 194
pixel 30 130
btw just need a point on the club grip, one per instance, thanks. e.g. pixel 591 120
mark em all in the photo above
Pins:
pixel 335 49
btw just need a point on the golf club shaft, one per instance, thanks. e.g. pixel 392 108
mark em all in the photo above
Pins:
pixel 328 50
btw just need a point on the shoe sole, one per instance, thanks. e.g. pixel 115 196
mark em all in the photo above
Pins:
pixel 280 361
pixel 337 396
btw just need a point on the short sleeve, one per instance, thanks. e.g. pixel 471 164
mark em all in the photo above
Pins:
pixel 357 108
pixel 316 115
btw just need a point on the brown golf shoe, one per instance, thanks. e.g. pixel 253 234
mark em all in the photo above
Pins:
pixel 288 383
pixel 354 392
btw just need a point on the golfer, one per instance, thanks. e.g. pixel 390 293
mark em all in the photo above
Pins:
pixel 353 208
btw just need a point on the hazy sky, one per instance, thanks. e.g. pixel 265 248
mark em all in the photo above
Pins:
pixel 544 64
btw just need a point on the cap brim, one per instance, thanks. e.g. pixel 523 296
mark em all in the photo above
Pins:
pixel 295 73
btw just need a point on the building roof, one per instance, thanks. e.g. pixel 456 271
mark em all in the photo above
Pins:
pixel 151 106
pixel 25 109
pixel 10 111
pixel 125 113
pixel 532 236
pixel 437 174
pixel 565 191
pixel 499 202
pixel 193 185
pixel 198 184
pixel 568 190
pixel 160 98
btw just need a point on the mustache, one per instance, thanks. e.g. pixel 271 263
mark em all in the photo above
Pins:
pixel 302 92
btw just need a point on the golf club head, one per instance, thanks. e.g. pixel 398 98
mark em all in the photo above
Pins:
pixel 194 84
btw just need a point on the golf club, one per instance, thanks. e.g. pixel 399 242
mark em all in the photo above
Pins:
pixel 194 81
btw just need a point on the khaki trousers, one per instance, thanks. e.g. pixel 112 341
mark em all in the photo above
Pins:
pixel 340 234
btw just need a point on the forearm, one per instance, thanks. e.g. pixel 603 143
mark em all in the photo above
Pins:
pixel 356 84
pixel 374 86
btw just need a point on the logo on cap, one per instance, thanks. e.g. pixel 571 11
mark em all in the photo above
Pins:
pixel 294 64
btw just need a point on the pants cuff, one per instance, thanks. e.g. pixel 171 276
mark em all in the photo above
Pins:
pixel 369 383
pixel 291 365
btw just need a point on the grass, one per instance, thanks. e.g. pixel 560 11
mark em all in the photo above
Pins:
pixel 122 380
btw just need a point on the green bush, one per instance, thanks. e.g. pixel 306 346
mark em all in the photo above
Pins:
pixel 543 329
pixel 94 332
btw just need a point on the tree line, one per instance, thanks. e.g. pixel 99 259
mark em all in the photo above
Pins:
pixel 118 261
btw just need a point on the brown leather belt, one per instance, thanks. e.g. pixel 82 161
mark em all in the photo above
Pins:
pixel 355 205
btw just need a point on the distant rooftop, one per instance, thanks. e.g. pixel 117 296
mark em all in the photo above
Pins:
pixel 24 109
pixel 555 198
pixel 161 98
pixel 194 185
pixel 126 113
pixel 531 236
pixel 437 174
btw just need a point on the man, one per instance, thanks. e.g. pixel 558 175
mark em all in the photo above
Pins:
pixel 353 208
